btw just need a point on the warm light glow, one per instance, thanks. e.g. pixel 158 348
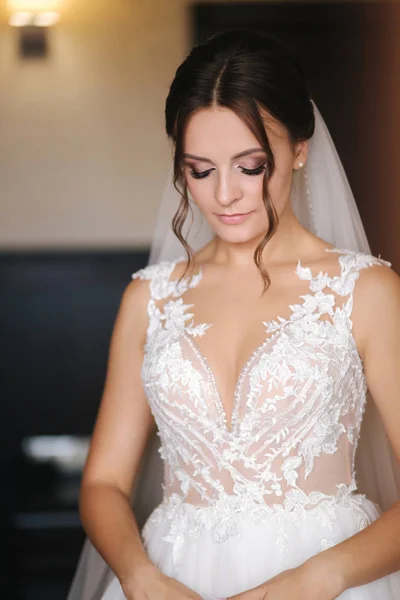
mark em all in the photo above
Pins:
pixel 21 19
pixel 44 19
pixel 47 19
pixel 41 13
pixel 33 5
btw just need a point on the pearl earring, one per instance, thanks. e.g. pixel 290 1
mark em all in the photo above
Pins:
pixel 301 164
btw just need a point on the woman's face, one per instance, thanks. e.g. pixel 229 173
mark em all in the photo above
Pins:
pixel 224 167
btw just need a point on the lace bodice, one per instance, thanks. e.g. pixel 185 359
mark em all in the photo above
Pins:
pixel 298 402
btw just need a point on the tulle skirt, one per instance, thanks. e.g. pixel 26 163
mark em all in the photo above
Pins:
pixel 219 557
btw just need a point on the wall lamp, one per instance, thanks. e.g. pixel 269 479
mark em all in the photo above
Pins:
pixel 33 18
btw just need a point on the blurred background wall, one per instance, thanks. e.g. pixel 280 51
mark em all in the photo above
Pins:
pixel 83 154
pixel 82 151
pixel 83 160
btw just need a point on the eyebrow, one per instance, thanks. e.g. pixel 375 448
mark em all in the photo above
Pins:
pixel 239 155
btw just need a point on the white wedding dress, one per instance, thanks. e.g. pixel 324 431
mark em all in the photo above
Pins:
pixel 243 503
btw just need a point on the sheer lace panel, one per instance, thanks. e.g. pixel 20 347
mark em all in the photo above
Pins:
pixel 298 402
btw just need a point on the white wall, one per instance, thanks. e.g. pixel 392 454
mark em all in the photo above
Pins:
pixel 83 153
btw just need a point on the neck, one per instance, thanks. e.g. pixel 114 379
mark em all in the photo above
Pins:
pixel 285 245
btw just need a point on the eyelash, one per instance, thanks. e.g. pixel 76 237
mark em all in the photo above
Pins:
pixel 251 172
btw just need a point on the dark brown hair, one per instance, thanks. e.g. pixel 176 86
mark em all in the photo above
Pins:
pixel 251 74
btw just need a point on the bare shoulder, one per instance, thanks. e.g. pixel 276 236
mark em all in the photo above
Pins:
pixel 376 300
pixel 377 279
pixel 132 317
pixel 136 293
pixel 377 293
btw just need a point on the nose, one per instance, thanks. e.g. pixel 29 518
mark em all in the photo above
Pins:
pixel 227 189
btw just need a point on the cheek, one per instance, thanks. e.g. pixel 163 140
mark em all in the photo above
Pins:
pixel 200 190
pixel 252 186
pixel 279 185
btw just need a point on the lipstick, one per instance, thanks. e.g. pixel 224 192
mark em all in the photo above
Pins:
pixel 235 218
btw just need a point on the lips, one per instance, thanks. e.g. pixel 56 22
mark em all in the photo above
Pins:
pixel 234 218
pixel 233 215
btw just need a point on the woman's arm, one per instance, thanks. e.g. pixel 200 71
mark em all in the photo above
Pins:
pixel 124 424
pixel 122 429
pixel 374 551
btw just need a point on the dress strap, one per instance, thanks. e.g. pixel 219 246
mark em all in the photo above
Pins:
pixel 159 276
pixel 161 288
pixel 351 263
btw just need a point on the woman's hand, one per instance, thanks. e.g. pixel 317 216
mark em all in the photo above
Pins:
pixel 310 581
pixel 151 584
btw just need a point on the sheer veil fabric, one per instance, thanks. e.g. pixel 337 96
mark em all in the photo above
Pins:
pixel 323 202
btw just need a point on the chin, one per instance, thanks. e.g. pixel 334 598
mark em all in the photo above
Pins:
pixel 234 234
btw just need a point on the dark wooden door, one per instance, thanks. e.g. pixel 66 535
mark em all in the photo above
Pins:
pixel 350 55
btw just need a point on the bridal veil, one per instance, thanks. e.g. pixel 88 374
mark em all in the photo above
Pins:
pixel 324 204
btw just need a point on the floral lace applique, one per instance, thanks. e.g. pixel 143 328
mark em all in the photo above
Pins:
pixel 296 418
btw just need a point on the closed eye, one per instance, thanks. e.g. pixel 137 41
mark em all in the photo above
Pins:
pixel 256 171
pixel 202 174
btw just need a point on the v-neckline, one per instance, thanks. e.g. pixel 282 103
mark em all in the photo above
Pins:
pixel 230 426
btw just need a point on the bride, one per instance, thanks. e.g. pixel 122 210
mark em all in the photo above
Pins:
pixel 252 355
